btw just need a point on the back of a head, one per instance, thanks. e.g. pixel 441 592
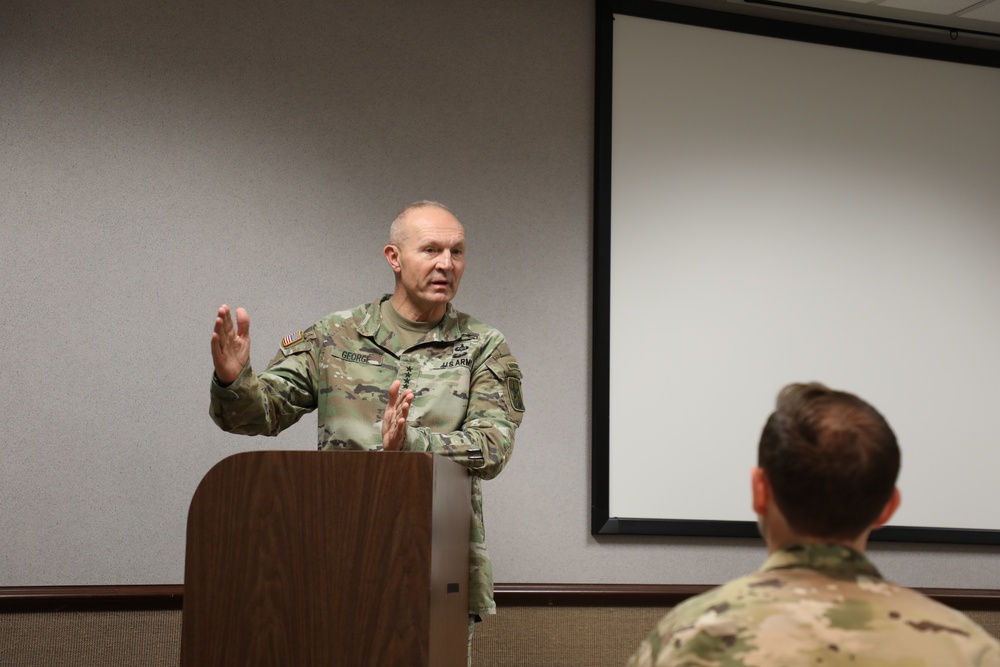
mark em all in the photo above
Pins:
pixel 831 459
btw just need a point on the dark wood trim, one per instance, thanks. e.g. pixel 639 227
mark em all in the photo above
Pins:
pixel 656 595
pixel 965 599
pixel 23 599
pixel 90 598
pixel 594 595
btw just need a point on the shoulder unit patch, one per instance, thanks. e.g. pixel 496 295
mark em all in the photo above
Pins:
pixel 514 391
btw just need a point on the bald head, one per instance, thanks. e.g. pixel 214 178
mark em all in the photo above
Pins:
pixel 399 231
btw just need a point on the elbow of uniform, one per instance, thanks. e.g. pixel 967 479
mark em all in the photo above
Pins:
pixel 489 470
pixel 495 457
pixel 243 427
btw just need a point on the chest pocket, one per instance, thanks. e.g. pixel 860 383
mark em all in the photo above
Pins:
pixel 363 371
pixel 440 384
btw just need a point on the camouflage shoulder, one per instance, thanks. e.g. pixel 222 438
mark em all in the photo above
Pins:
pixel 711 599
pixel 725 599
pixel 336 320
pixel 490 337
pixel 307 339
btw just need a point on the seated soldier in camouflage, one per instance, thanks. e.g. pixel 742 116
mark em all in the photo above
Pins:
pixel 827 477
pixel 407 372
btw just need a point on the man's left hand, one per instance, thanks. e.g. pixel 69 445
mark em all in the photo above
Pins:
pixel 394 418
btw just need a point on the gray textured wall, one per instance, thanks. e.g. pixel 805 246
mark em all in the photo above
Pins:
pixel 160 158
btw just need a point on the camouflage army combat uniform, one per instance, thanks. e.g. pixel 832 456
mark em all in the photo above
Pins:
pixel 467 399
pixel 816 605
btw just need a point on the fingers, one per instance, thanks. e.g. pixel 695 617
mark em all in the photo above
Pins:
pixel 399 403
pixel 223 325
pixel 220 333
pixel 389 416
pixel 230 346
pixel 394 419
pixel 224 329
pixel 398 398
pixel 242 323
pixel 393 394
pixel 403 409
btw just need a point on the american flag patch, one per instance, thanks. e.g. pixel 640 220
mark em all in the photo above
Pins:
pixel 291 338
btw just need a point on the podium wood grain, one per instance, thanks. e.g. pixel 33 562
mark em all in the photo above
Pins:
pixel 328 558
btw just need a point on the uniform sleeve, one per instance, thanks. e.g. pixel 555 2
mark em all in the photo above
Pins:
pixel 268 403
pixel 495 409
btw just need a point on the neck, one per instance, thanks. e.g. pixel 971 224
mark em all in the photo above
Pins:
pixel 779 535
pixel 431 313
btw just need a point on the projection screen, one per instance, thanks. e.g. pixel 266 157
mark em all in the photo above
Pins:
pixel 772 211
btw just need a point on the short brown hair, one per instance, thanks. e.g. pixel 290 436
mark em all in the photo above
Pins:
pixel 831 459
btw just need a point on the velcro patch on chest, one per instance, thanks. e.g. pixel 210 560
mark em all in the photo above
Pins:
pixel 368 358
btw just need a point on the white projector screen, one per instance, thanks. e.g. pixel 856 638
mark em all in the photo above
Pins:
pixel 784 211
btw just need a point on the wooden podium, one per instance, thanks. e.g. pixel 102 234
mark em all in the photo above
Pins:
pixel 301 559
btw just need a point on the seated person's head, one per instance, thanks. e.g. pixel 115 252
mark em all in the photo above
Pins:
pixel 831 462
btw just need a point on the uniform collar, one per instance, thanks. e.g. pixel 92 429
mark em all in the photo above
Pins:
pixel 831 559
pixel 371 325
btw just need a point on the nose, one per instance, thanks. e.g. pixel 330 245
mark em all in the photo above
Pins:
pixel 445 261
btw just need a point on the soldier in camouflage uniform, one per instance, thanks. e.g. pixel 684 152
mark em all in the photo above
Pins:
pixel 828 466
pixel 407 372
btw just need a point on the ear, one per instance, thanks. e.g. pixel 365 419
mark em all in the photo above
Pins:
pixel 889 510
pixel 761 490
pixel 392 256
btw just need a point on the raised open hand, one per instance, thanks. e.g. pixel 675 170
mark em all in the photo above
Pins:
pixel 230 346
pixel 394 417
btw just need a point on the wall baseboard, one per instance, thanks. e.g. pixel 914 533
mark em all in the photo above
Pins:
pixel 171 596
pixel 90 598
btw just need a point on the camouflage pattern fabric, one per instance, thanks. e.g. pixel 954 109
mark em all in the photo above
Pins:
pixel 467 399
pixel 816 605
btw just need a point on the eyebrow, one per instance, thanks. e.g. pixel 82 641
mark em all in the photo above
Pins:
pixel 439 242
